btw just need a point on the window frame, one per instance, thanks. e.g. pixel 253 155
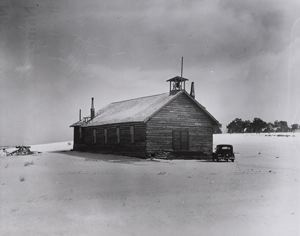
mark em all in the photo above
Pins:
pixel 118 135
pixel 132 134
pixel 80 132
pixel 105 135
pixel 94 135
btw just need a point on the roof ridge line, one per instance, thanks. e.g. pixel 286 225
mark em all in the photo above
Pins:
pixel 137 98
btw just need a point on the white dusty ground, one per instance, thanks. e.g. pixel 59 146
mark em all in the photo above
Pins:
pixel 72 193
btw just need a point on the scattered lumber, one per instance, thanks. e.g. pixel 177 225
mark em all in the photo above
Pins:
pixel 21 151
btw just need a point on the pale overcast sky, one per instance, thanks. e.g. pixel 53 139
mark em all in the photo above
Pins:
pixel 243 55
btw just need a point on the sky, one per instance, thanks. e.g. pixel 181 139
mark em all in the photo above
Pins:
pixel 243 55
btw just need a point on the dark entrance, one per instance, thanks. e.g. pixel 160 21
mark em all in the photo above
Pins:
pixel 180 139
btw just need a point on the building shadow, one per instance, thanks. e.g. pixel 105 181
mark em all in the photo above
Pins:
pixel 115 158
pixel 112 158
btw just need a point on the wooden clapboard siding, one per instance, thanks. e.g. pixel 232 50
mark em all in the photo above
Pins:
pixel 180 113
pixel 179 125
pixel 125 147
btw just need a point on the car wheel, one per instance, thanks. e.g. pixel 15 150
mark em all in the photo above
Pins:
pixel 232 160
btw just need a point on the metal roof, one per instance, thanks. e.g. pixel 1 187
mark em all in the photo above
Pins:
pixel 135 110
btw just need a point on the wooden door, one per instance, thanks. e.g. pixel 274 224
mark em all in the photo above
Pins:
pixel 176 140
pixel 180 139
pixel 184 140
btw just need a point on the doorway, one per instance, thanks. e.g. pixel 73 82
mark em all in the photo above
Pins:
pixel 180 139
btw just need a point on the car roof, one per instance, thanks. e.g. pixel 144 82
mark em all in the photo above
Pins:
pixel 224 145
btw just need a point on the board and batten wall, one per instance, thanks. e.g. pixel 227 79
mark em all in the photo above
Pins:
pixel 180 114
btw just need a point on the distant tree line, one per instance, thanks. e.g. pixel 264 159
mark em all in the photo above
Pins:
pixel 260 126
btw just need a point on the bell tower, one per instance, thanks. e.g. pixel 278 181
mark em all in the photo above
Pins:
pixel 177 83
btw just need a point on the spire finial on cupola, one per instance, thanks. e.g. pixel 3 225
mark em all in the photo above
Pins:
pixel 177 83
pixel 181 71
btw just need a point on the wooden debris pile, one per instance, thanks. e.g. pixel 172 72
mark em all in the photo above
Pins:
pixel 21 151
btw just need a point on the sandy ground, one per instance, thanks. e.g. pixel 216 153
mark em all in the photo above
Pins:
pixel 73 193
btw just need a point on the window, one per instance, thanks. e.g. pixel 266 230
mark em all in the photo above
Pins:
pixel 80 132
pixel 118 135
pixel 105 136
pixel 94 136
pixel 132 134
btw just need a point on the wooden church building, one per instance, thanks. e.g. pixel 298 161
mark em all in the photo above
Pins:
pixel 172 123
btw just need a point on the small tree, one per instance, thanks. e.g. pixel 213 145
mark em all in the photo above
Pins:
pixel 270 127
pixel 295 127
pixel 236 126
pixel 258 125
pixel 247 126
pixel 283 126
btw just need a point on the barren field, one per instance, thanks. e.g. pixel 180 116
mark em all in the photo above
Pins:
pixel 72 193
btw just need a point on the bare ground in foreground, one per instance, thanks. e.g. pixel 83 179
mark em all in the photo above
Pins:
pixel 73 193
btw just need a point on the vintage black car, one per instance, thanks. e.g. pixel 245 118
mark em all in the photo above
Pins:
pixel 223 152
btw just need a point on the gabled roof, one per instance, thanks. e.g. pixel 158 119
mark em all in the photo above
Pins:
pixel 133 110
pixel 136 110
